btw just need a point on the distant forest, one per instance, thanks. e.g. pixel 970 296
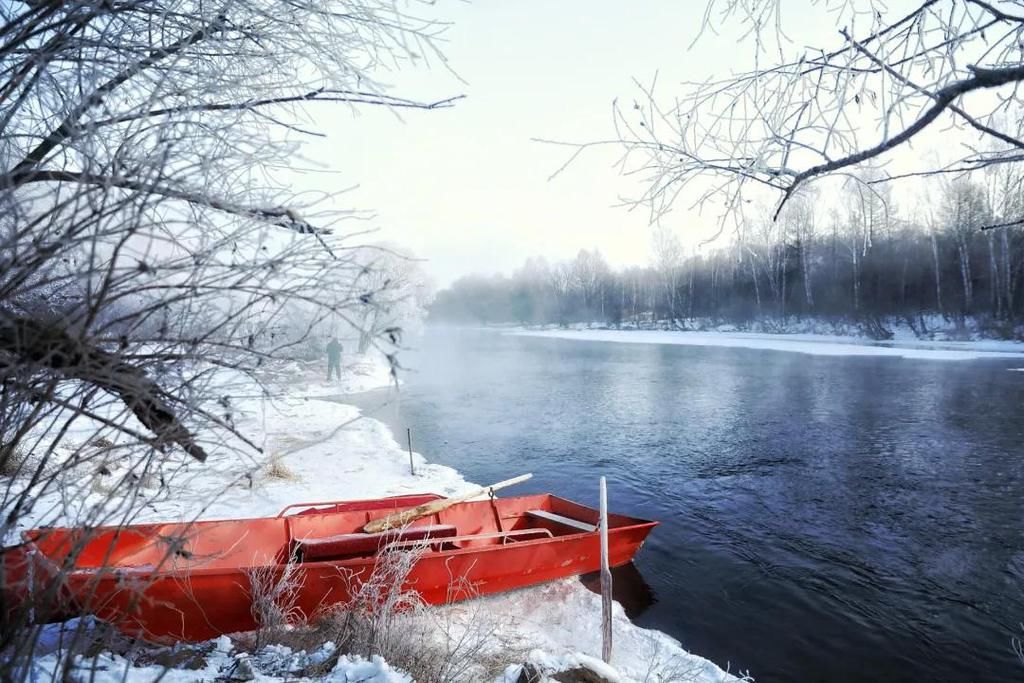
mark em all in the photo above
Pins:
pixel 863 262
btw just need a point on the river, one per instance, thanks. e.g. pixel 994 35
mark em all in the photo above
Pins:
pixel 824 518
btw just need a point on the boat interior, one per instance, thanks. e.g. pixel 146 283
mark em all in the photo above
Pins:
pixel 317 532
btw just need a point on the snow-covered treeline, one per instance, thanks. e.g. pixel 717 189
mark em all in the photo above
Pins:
pixel 867 258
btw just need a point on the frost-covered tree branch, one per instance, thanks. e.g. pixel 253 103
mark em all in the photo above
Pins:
pixel 139 128
pixel 856 98
pixel 148 246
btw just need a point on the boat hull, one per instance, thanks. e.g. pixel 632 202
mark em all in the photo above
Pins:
pixel 192 601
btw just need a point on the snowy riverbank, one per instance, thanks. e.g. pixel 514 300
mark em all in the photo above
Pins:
pixel 324 450
pixel 808 343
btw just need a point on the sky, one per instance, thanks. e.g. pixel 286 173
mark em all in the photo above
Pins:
pixel 468 189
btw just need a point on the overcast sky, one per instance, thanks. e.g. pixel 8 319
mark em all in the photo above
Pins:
pixel 467 189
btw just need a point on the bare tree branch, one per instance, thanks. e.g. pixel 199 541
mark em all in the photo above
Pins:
pixel 792 120
pixel 53 348
pixel 318 95
pixel 983 78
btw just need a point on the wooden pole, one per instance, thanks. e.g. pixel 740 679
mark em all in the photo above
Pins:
pixel 408 436
pixel 606 580
pixel 403 517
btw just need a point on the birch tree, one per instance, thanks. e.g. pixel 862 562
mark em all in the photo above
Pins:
pixel 668 262
pixel 964 212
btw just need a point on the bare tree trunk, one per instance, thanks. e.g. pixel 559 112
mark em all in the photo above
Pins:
pixel 806 268
pixel 938 274
pixel 995 297
pixel 689 304
pixel 636 301
pixel 757 290
pixel 673 294
pixel 856 279
pixel 622 303
pixel 782 284
pixel 965 273
pixel 1007 274
pixel 903 284
pixel 714 285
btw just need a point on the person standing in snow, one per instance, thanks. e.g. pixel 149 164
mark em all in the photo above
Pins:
pixel 334 358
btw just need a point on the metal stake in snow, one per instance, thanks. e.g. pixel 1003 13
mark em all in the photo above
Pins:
pixel 408 436
pixel 606 580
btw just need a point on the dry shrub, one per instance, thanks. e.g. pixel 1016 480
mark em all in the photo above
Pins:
pixel 12 460
pixel 273 592
pixel 276 469
pixel 435 645
pixel 383 618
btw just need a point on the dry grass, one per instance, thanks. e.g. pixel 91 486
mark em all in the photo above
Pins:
pixel 672 670
pixel 101 443
pixel 665 667
pixel 273 593
pixel 454 644
pixel 383 618
pixel 277 469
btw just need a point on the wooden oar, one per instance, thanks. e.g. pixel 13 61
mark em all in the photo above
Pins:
pixel 398 519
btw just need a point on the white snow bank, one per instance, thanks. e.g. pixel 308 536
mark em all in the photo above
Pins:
pixel 814 344
pixel 316 450
pixel 359 670
pixel 358 373
pixel 927 328
pixel 561 623
pixel 557 624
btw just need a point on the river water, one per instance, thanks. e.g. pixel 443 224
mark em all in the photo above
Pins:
pixel 823 518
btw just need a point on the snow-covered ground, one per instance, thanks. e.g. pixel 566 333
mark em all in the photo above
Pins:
pixel 223 663
pixel 317 449
pixel 814 344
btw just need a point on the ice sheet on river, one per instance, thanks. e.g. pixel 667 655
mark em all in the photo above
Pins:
pixel 813 344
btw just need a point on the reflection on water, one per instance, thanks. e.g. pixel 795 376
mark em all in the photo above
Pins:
pixel 823 518
pixel 629 589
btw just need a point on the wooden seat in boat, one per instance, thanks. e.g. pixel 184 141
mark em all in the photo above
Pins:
pixel 341 545
pixel 562 520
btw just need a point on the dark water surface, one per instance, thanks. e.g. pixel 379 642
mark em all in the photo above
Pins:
pixel 823 518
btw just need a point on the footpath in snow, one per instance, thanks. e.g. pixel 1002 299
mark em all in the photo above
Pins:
pixel 320 449
pixel 814 344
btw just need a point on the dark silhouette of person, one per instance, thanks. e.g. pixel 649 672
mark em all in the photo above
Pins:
pixel 334 358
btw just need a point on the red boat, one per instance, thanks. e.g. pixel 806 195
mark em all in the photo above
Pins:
pixel 191 582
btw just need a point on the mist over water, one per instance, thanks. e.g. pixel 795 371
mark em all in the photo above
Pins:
pixel 823 518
